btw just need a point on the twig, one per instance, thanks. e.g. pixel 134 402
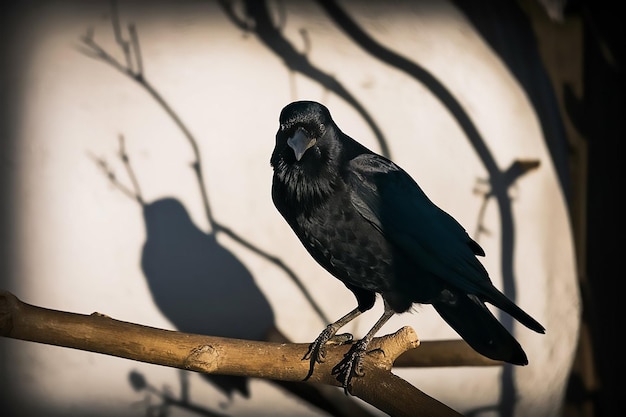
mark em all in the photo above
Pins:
pixel 279 361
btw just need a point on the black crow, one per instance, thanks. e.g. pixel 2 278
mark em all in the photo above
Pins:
pixel 367 222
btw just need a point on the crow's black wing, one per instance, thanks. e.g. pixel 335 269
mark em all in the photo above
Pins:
pixel 392 202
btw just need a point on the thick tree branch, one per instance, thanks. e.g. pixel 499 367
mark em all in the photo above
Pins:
pixel 438 353
pixel 278 361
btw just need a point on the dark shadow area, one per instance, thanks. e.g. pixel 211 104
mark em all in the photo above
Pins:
pixel 258 20
pixel 9 108
pixel 200 286
pixel 604 108
pixel 12 16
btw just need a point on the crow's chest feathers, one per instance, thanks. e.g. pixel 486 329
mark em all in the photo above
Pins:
pixel 347 245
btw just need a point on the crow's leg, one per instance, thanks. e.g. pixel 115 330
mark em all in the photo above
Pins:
pixel 317 350
pixel 351 364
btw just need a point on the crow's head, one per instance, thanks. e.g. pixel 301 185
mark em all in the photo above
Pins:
pixel 306 136
pixel 306 157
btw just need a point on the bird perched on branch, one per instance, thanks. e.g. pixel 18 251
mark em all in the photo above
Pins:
pixel 369 224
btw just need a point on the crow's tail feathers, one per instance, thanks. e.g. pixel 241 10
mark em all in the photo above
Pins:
pixel 501 301
pixel 481 330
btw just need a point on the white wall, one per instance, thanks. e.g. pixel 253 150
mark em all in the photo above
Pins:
pixel 79 239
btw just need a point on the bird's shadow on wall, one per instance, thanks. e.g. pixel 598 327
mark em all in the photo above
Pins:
pixel 200 286
pixel 196 283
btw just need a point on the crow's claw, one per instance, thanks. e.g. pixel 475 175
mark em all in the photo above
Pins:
pixel 317 349
pixel 351 365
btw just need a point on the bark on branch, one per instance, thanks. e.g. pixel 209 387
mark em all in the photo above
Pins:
pixel 278 361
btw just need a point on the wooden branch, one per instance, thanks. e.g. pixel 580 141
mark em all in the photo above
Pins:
pixel 440 353
pixel 278 361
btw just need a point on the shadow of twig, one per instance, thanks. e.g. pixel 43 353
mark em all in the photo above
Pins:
pixel 167 400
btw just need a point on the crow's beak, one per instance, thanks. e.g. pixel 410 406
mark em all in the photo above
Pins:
pixel 300 142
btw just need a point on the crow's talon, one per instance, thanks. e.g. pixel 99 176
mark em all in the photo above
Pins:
pixel 316 353
pixel 321 354
pixel 351 365
pixel 358 366
pixel 317 349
